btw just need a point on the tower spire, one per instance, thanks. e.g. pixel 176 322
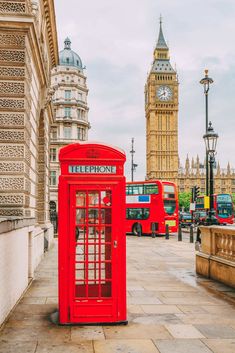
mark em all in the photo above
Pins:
pixel 161 43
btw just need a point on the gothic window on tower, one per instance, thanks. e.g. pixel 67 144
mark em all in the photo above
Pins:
pixel 81 133
pixel 67 112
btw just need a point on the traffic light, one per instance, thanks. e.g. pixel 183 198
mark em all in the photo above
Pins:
pixel 195 193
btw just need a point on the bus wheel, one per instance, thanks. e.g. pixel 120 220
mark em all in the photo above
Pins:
pixel 137 229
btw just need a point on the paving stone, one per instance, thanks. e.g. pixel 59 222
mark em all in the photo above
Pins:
pixel 181 346
pixel 17 347
pixel 133 331
pixel 157 319
pixel 31 333
pixel 183 331
pixel 125 346
pixel 135 309
pixel 220 345
pixel 216 331
pixel 81 333
pixel 33 300
pixel 188 309
pixel 160 309
pixel 144 300
pixel 83 347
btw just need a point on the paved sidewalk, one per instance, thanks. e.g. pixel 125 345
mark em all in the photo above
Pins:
pixel 170 310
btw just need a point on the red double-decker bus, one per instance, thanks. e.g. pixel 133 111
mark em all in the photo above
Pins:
pixel 151 205
pixel 223 207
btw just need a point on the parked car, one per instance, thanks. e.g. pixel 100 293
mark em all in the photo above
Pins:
pixel 199 217
pixel 185 220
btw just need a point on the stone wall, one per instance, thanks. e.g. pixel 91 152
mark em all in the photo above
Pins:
pixel 216 258
pixel 21 250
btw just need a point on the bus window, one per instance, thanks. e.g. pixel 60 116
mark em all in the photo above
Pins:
pixel 224 211
pixel 137 213
pixel 169 206
pixel 150 189
pixel 169 191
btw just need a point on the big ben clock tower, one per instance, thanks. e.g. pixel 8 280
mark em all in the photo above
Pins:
pixel 161 111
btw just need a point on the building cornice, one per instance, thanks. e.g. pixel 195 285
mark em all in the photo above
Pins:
pixel 49 10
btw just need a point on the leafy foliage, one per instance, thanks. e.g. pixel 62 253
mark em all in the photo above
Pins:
pixel 184 200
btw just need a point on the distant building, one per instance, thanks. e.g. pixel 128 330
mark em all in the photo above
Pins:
pixel 194 173
pixel 70 109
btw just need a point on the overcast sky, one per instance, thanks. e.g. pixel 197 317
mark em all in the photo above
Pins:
pixel 115 40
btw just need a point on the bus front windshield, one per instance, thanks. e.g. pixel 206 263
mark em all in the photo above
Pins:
pixel 169 206
pixel 224 211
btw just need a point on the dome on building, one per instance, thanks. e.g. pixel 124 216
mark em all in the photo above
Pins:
pixel 68 57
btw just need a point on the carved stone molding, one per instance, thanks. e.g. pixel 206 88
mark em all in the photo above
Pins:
pixel 12 167
pixel 12 56
pixel 9 212
pixel 12 72
pixel 11 151
pixel 12 119
pixel 12 103
pixel 11 199
pixel 11 183
pixel 12 136
pixel 11 88
pixel 11 39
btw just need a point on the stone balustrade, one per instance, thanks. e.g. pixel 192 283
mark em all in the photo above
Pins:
pixel 216 257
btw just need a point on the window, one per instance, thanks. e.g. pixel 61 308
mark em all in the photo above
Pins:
pixel 169 191
pixel 137 213
pixel 67 132
pixel 53 132
pixel 169 206
pixel 67 95
pixel 144 189
pixel 67 112
pixel 53 154
pixel 79 96
pixel 81 133
pixel 53 177
pixel 79 114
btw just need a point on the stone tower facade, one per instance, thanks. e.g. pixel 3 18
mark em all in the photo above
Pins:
pixel 161 111
pixel 71 110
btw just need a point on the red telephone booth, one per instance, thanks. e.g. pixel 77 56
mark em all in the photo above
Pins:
pixel 92 241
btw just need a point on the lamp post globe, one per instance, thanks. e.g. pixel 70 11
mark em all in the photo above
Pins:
pixel 206 82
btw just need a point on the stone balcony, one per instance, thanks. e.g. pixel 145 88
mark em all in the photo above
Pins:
pixel 216 258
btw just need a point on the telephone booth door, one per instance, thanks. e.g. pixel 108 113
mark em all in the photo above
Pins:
pixel 93 253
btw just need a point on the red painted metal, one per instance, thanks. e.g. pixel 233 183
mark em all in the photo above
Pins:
pixel 92 242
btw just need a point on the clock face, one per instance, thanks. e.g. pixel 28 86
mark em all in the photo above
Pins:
pixel 164 93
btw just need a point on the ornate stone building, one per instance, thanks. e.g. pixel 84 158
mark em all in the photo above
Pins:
pixel 194 173
pixel 28 51
pixel 161 110
pixel 71 110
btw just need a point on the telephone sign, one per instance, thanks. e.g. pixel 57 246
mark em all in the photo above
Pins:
pixel 92 248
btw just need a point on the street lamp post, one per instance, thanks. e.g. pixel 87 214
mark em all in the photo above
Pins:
pixel 210 139
pixel 206 81
pixel 133 165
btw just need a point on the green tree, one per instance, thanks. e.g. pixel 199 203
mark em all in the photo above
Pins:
pixel 184 200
